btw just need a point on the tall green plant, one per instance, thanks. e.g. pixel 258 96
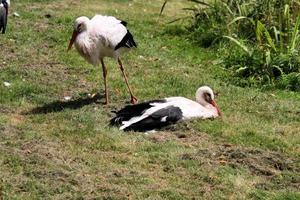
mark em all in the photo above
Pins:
pixel 265 31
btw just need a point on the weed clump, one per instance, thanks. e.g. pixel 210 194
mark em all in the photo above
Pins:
pixel 263 37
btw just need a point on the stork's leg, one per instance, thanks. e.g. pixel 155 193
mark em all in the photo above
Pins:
pixel 134 100
pixel 104 70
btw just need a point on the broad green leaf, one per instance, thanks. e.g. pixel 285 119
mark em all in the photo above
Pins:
pixel 295 35
pixel 239 44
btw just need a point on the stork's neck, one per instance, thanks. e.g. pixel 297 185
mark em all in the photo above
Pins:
pixel 82 39
pixel 202 102
pixel 85 47
pixel 211 110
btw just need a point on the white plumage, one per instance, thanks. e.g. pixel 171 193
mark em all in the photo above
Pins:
pixel 102 36
pixel 159 113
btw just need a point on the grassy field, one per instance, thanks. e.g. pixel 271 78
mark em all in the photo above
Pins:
pixel 56 149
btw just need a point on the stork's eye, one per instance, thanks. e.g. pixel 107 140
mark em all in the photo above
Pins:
pixel 79 27
pixel 207 97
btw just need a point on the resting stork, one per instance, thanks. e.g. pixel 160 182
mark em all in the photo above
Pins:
pixel 3 14
pixel 100 37
pixel 156 114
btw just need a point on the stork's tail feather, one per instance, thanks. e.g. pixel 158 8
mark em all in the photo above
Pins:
pixel 127 41
pixel 130 111
pixel 116 121
pixel 124 23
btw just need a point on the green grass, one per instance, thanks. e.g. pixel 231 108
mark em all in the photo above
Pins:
pixel 71 152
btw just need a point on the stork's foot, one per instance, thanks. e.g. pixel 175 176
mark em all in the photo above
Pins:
pixel 106 102
pixel 133 100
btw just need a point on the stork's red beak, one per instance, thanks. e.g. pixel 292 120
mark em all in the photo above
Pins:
pixel 216 106
pixel 73 38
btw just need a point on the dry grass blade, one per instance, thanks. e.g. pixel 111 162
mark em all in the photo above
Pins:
pixel 190 9
pixel 162 8
pixel 200 2
pixel 178 19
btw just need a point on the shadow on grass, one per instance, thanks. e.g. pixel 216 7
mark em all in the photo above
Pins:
pixel 58 106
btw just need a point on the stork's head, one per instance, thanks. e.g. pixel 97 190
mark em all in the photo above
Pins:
pixel 80 25
pixel 205 96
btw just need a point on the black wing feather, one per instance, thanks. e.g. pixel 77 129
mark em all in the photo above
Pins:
pixel 130 111
pixel 124 23
pixel 157 120
pixel 3 18
pixel 127 41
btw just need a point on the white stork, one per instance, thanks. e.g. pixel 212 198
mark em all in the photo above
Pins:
pixel 102 36
pixel 3 14
pixel 156 114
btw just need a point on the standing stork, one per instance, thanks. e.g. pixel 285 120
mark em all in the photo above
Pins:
pixel 102 36
pixel 3 14
pixel 156 114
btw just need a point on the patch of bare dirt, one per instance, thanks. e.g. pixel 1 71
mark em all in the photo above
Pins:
pixel 5 110
pixel 162 137
pixel 272 166
pixel 9 132
pixel 11 128
pixel 186 135
pixel 259 162
pixel 16 119
pixel 278 170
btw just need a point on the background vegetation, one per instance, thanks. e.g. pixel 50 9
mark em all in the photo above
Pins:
pixel 264 33
pixel 52 148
